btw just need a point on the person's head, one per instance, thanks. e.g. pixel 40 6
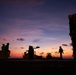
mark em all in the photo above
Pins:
pixel 3 44
pixel 59 46
pixel 7 43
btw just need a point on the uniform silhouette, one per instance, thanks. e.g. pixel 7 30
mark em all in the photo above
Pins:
pixel 3 47
pixel 31 52
pixel 60 51
pixel 5 52
pixel 72 29
pixel 7 47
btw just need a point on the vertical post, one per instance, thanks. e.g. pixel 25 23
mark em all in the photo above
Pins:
pixel 31 52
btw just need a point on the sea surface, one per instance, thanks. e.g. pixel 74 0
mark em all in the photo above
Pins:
pixel 37 67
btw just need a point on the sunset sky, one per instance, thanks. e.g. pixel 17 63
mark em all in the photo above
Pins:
pixel 41 23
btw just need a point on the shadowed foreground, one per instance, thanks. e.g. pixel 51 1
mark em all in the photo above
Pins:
pixel 37 67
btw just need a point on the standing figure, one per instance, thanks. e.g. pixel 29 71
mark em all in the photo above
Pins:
pixel 60 51
pixel 3 47
pixel 7 50
pixel 5 53
pixel 7 47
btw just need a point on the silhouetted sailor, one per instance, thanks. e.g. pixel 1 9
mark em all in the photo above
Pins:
pixel 3 47
pixel 60 51
pixel 7 47
pixel 5 53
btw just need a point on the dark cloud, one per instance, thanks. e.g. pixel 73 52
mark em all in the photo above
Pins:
pixel 4 39
pixel 36 40
pixel 37 47
pixel 20 39
pixel 22 47
pixel 64 45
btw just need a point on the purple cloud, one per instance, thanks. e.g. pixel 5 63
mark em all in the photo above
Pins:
pixel 64 45
pixel 36 40
pixel 20 39
pixel 22 47
pixel 4 39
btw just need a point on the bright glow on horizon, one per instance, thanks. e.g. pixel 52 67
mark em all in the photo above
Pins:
pixel 41 23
